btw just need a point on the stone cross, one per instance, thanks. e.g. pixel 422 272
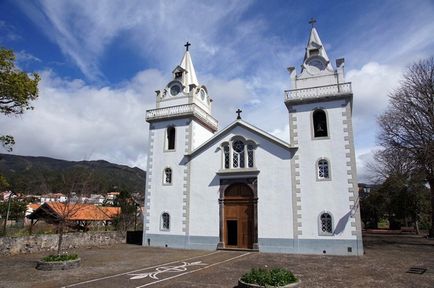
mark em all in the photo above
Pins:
pixel 312 22
pixel 187 45
pixel 238 112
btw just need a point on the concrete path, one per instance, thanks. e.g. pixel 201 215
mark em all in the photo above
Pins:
pixel 385 265
pixel 163 272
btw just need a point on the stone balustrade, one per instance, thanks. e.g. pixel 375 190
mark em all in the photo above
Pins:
pixel 318 92
pixel 180 111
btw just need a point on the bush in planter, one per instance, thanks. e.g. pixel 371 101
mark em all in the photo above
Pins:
pixel 269 277
pixel 59 262
pixel 60 257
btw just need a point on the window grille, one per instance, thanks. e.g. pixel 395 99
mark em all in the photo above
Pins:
pixel 326 223
pixel 238 157
pixel 165 221
pixel 241 154
pixel 250 155
pixel 323 169
pixel 226 151
pixel 167 175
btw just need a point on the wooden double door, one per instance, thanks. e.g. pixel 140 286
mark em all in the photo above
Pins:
pixel 238 217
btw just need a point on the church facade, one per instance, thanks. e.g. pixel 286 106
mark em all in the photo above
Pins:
pixel 242 188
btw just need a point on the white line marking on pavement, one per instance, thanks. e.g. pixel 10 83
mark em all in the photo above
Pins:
pixel 189 272
pixel 166 269
pixel 133 271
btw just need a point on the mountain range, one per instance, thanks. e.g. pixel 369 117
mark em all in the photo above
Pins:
pixel 42 175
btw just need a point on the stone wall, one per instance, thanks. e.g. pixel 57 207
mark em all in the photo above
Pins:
pixel 38 243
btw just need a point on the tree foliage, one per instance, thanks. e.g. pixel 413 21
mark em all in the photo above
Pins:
pixel 400 200
pixel 407 127
pixel 17 209
pixel 128 214
pixel 17 90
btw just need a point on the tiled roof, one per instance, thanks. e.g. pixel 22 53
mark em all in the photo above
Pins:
pixel 34 206
pixel 79 212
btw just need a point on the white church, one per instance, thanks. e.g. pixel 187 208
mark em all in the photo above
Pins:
pixel 240 187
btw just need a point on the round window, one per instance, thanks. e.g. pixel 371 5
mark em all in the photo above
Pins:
pixel 238 146
pixel 174 90
pixel 202 94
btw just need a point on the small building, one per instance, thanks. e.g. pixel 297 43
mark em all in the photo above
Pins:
pixel 53 197
pixel 111 196
pixel 31 207
pixel 77 216
pixel 96 199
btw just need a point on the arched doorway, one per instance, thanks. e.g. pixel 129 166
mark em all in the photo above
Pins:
pixel 238 223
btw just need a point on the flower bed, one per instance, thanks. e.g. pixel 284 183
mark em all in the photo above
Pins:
pixel 276 277
pixel 59 262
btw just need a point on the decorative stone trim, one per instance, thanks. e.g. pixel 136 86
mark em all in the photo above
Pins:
pixel 186 185
pixel 149 179
pixel 353 195
pixel 295 176
pixel 58 265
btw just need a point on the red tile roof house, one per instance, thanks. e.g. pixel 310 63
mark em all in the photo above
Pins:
pixel 77 216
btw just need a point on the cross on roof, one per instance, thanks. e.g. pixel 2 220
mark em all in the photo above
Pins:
pixel 238 112
pixel 187 45
pixel 312 22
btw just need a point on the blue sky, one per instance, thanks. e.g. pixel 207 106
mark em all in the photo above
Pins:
pixel 100 62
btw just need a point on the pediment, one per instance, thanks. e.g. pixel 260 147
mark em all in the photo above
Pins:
pixel 240 126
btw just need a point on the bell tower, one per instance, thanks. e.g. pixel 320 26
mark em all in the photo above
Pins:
pixel 180 122
pixel 324 194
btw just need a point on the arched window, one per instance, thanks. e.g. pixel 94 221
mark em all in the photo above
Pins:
pixel 326 224
pixel 170 138
pixel 250 155
pixel 323 169
pixel 165 221
pixel 226 155
pixel 167 177
pixel 320 123
pixel 238 153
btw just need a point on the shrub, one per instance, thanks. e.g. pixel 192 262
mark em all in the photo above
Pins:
pixel 61 257
pixel 269 277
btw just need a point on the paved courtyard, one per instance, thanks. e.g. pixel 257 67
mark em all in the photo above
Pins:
pixel 385 264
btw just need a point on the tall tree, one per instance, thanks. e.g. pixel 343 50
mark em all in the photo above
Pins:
pixel 17 90
pixel 127 217
pixel 407 125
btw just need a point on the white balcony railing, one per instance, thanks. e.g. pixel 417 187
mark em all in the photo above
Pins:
pixel 317 92
pixel 182 110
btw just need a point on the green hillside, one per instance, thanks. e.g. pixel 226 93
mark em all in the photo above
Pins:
pixel 41 175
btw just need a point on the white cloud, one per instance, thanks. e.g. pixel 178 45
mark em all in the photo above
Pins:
pixel 282 133
pixel 84 30
pixel 8 32
pixel 365 157
pixel 75 121
pixel 23 56
pixel 371 86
